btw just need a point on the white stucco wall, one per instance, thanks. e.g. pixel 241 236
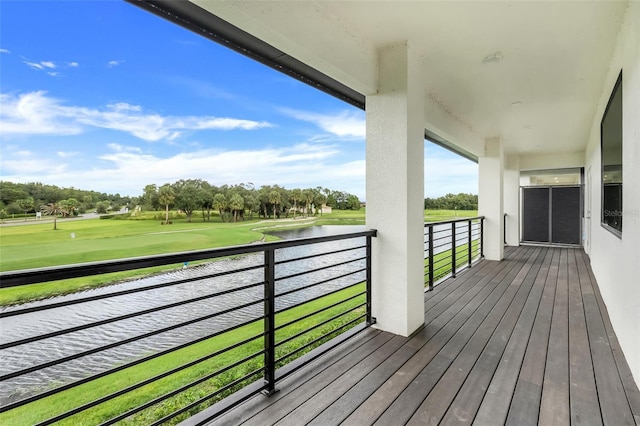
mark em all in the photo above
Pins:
pixel 615 261
pixel 395 191
pixel 490 198
pixel 511 197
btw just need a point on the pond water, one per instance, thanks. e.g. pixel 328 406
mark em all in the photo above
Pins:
pixel 37 323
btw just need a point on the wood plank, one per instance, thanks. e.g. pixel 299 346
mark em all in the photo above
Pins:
pixel 443 296
pixel 363 343
pixel 525 403
pixel 583 397
pixel 305 412
pixel 554 405
pixel 589 284
pixel 495 405
pixel 476 332
pixel 343 406
pixel 279 404
pixel 378 402
pixel 614 405
pixel 387 377
pixel 463 407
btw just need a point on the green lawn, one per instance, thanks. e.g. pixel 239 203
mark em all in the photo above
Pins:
pixel 38 245
pixel 66 400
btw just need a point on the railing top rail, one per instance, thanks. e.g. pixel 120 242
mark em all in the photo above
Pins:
pixel 444 222
pixel 37 275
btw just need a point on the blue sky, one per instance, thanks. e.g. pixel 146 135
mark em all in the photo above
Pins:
pixel 104 96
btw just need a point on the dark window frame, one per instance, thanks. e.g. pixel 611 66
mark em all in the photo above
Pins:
pixel 605 212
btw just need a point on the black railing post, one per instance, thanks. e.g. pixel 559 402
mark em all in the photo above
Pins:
pixel 469 241
pixel 504 228
pixel 482 238
pixel 369 318
pixel 430 257
pixel 453 249
pixel 269 322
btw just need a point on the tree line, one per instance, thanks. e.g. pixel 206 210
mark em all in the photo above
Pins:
pixel 232 202
pixel 235 202
pixel 452 202
pixel 25 198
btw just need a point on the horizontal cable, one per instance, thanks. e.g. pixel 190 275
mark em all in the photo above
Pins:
pixel 123 317
pixel 37 275
pixel 183 388
pixel 444 222
pixel 295 290
pixel 124 292
pixel 314 341
pixel 150 380
pixel 319 297
pixel 206 398
pixel 297 274
pixel 313 256
pixel 320 324
pixel 123 342
pixel 333 305
pixel 121 367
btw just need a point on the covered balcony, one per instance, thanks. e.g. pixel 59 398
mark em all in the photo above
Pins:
pixel 523 341
pixel 543 334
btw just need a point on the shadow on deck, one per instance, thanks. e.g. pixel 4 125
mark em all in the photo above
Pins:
pixel 524 341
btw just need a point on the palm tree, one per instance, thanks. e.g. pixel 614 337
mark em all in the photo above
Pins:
pixel 220 203
pixel 236 203
pixel 166 196
pixel 53 209
pixel 307 196
pixel 275 198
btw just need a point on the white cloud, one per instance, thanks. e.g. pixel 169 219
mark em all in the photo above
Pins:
pixel 445 172
pixel 34 65
pixel 73 64
pixel 127 169
pixel 5 51
pixel 36 113
pixel 46 66
pixel 346 124
pixel 121 148
pixel 114 63
pixel 66 154
pixel 123 106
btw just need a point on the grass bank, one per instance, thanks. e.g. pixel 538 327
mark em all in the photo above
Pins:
pixel 60 403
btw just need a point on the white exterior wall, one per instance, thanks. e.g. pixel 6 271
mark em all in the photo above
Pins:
pixel 615 261
pixel 512 199
pixel 490 198
pixel 558 160
pixel 395 191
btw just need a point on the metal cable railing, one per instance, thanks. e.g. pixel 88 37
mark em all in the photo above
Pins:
pixel 450 246
pixel 231 326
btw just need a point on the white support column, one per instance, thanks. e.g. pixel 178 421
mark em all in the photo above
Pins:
pixel 395 190
pixel 490 198
pixel 512 199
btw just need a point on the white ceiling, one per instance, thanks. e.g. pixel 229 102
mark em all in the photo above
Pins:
pixel 539 98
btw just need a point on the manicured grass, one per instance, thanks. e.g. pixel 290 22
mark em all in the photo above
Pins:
pixel 38 245
pixel 33 246
pixel 60 403
pixel 442 215
pixel 442 261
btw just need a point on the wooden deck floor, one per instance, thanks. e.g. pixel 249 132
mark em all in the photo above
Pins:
pixel 524 341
